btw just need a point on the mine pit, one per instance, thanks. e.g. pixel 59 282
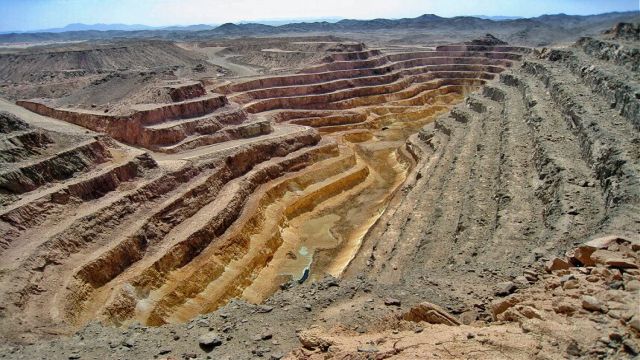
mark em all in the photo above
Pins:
pixel 246 215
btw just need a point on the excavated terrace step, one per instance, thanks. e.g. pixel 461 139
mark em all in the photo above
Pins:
pixel 128 128
pixel 186 90
pixel 355 55
pixel 497 48
pixel 20 145
pixel 30 175
pixel 603 136
pixel 167 249
pixel 560 166
pixel 308 183
pixel 428 54
pixel 435 71
pixel 176 131
pixel 245 130
pixel 307 79
pixel 403 88
pixel 384 59
pixel 617 85
pixel 414 95
pixel 216 289
pixel 200 120
pixel 199 106
pixel 33 208
pixel 75 242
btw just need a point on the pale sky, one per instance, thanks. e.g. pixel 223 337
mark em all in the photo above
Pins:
pixel 41 14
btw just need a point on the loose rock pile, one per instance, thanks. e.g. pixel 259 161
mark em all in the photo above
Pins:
pixel 586 308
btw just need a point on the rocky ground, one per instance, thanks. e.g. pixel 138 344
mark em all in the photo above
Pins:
pixel 581 305
pixel 584 305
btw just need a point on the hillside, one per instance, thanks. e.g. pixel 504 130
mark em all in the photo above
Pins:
pixel 520 31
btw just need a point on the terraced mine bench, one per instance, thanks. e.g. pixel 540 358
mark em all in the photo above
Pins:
pixel 194 121
pixel 187 237
pixel 543 158
pixel 357 84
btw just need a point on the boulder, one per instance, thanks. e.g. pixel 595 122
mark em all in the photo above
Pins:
pixel 530 275
pixel 505 288
pixel 530 312
pixel 564 307
pixel 590 303
pixel 209 340
pixel 557 264
pixel 582 255
pixel 606 241
pixel 311 339
pixel 571 284
pixel 521 282
pixel 430 313
pixel 468 317
pixel 392 302
pixel 367 348
pixel 613 259
pixel 632 285
pixel 520 313
pixel 501 305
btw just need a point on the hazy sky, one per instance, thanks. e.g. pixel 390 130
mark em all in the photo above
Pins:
pixel 40 14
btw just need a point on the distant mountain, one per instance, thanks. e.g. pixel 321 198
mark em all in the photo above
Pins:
pixel 545 26
pixel 115 27
pixel 98 27
pixel 198 27
pixel 497 18
pixel 279 22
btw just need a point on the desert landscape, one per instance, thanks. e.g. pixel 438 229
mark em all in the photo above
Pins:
pixel 424 187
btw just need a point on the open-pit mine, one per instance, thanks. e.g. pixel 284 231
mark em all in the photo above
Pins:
pixel 341 193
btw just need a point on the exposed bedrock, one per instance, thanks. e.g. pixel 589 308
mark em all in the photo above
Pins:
pixel 27 177
pixel 350 56
pixel 182 92
pixel 20 145
pixel 11 123
pixel 624 31
pixel 18 140
pixel 608 51
pixel 129 128
pixel 34 212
